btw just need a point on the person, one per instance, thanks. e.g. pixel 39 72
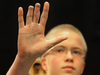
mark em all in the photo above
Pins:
pixel 36 68
pixel 67 57
pixel 63 51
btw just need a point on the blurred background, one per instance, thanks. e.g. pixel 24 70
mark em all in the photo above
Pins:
pixel 84 14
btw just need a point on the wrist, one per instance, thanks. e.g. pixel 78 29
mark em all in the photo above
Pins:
pixel 26 58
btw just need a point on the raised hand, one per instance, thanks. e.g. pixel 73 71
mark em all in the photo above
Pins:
pixel 31 39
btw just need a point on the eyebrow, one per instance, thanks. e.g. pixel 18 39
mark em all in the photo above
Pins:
pixel 75 47
pixel 59 46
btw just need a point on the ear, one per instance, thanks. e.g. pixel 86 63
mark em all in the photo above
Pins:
pixel 43 63
pixel 83 68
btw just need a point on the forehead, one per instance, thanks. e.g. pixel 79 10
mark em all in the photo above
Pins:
pixel 74 39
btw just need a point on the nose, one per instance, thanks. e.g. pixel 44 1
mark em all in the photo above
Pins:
pixel 68 57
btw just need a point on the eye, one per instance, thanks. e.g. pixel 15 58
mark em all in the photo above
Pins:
pixel 77 51
pixel 59 50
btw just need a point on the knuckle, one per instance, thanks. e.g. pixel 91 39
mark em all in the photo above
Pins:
pixel 44 17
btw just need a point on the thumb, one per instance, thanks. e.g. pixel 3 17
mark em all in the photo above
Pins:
pixel 57 40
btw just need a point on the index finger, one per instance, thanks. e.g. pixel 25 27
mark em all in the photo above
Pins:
pixel 44 15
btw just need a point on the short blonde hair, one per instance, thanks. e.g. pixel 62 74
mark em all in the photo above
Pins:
pixel 64 27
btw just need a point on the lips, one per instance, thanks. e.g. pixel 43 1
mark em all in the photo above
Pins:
pixel 70 68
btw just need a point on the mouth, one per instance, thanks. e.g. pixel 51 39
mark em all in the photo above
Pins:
pixel 69 68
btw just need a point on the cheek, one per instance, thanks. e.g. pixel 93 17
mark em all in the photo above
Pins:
pixel 53 65
pixel 54 61
pixel 79 62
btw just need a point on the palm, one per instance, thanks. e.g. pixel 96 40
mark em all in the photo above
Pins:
pixel 31 38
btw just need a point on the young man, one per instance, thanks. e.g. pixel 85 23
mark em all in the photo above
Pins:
pixel 65 58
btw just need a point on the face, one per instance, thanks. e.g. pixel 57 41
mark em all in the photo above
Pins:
pixel 69 63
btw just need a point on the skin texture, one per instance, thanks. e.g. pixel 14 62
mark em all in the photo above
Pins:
pixel 53 64
pixel 31 39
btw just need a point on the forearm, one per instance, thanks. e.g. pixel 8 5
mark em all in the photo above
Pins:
pixel 21 66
